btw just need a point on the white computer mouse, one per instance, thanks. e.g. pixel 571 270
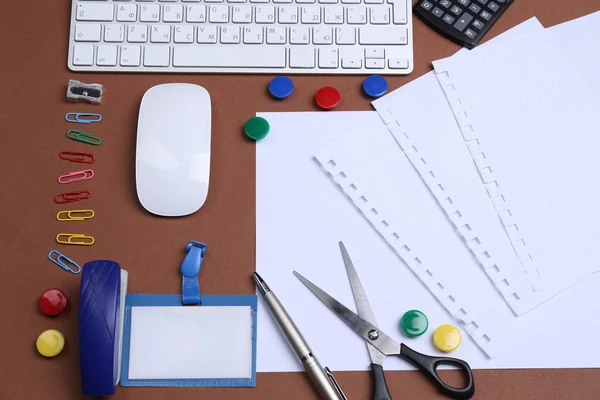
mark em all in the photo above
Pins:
pixel 172 166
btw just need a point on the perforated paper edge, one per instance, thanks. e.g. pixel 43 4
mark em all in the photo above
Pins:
pixel 476 326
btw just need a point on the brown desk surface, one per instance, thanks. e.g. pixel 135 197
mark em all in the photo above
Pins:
pixel 32 108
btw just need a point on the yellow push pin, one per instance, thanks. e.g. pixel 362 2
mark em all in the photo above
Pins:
pixel 50 343
pixel 447 338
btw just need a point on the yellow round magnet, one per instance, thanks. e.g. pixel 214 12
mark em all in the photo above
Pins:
pixel 447 338
pixel 50 343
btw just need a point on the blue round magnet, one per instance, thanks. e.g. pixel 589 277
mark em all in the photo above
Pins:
pixel 375 86
pixel 281 87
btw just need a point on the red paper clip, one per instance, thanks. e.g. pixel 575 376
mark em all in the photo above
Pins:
pixel 74 156
pixel 71 197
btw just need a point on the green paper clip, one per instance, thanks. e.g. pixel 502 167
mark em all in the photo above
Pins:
pixel 84 137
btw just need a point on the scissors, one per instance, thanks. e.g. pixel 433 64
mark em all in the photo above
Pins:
pixel 381 345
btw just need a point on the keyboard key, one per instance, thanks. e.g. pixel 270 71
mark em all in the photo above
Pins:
pixel 399 12
pixel 137 33
pixel 107 56
pixel 218 14
pixel 456 10
pixel 229 57
pixel 373 63
pixel 334 15
pixel 184 34
pixel 157 56
pixel 445 3
pixel 374 52
pixel 130 56
pixel 470 33
pixel 484 2
pixel 173 13
pixel 475 8
pixel 322 35
pixel 343 1
pixel 299 35
pixel 302 57
pixel 207 34
pixel 253 34
pixel 382 35
pixel 486 15
pixel 380 15
pixel 463 21
pixel 127 13
pixel 160 34
pixel 114 33
pixel 311 15
pixel 230 34
pixel 311 1
pixel 264 14
pixel 288 15
pixel 464 2
pixel 282 1
pixel 351 63
pixel 493 6
pixel 328 58
pixel 449 19
pixel 373 1
pixel 83 55
pixel 478 24
pixel 437 12
pixel 357 15
pixel 95 12
pixel 328 1
pixel 241 14
pixel 276 35
pixel 398 63
pixel 427 5
pixel 345 35
pixel 196 13
pixel 150 13
pixel 87 32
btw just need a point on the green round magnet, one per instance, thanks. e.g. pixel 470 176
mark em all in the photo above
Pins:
pixel 256 128
pixel 413 323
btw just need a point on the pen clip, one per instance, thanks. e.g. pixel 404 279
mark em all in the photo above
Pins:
pixel 335 383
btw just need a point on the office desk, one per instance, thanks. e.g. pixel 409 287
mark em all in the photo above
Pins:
pixel 32 108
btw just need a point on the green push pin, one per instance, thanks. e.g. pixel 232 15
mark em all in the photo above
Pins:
pixel 256 128
pixel 413 323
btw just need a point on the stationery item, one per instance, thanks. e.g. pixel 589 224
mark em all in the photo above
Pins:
pixel 256 128
pixel 75 215
pixel 76 176
pixel 413 323
pixel 463 21
pixel 89 93
pixel 50 343
pixel 71 197
pixel 84 137
pixel 190 268
pixel 78 157
pixel 327 98
pixel 75 238
pixel 64 262
pixel 281 87
pixel 380 345
pixel 83 118
pixel 53 302
pixel 375 86
pixel 325 383
pixel 101 304
pixel 447 338
pixel 173 149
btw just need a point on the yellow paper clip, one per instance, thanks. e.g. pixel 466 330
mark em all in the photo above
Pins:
pixel 75 238
pixel 75 215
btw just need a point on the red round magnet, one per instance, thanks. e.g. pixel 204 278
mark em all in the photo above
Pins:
pixel 327 97
pixel 53 302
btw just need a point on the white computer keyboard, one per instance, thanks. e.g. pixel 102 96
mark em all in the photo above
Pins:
pixel 244 36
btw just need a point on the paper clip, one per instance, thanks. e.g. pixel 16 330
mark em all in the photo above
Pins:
pixel 71 197
pixel 75 238
pixel 74 156
pixel 83 118
pixel 76 176
pixel 84 137
pixel 60 261
pixel 75 215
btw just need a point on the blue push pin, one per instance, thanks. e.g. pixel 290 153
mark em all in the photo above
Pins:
pixel 281 87
pixel 375 86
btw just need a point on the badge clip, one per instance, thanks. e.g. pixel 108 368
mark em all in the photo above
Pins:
pixel 190 268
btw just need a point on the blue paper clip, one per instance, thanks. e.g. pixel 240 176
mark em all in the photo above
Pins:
pixel 190 268
pixel 83 118
pixel 60 261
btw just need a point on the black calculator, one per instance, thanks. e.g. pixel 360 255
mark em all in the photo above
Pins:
pixel 462 21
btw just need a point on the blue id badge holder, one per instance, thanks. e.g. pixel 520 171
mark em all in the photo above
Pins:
pixel 192 339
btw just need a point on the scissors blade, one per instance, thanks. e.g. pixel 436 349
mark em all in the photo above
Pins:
pixel 362 303
pixel 365 329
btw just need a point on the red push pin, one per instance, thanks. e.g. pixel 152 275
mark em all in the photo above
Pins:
pixel 327 97
pixel 53 302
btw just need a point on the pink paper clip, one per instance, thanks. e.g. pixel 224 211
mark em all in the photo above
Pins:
pixel 76 176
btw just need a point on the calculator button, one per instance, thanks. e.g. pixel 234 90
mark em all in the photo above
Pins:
pixel 448 18
pixel 478 24
pixel 437 12
pixel 456 10
pixel 493 6
pixel 470 33
pixel 475 8
pixel 445 3
pixel 426 5
pixel 463 21
pixel 484 2
pixel 464 2
pixel 486 15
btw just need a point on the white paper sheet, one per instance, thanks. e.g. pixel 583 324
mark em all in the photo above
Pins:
pixel 301 215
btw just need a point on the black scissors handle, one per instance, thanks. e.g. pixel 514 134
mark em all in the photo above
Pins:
pixel 429 364
pixel 380 389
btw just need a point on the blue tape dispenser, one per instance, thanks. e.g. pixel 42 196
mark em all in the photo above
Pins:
pixel 101 314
